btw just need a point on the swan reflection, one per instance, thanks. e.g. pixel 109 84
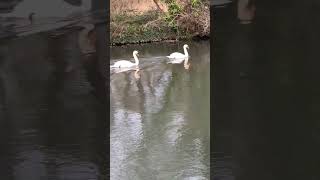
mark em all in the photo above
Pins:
pixel 186 63
pixel 246 11
pixel 137 74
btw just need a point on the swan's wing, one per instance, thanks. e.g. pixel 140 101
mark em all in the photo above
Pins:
pixel 176 55
pixel 120 70
pixel 122 63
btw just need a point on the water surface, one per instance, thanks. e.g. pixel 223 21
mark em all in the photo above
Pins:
pixel 159 125
pixel 52 111
pixel 266 91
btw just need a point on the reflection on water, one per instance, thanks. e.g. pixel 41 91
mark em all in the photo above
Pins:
pixel 47 8
pixel 160 121
pixel 53 121
pixel 266 91
pixel 22 17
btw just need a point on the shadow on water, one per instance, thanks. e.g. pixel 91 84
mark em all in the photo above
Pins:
pixel 265 98
pixel 160 121
pixel 52 105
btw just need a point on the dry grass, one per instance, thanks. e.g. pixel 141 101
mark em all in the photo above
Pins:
pixel 195 22
pixel 128 6
pixel 139 28
pixel 129 24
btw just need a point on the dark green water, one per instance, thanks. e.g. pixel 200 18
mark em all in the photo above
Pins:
pixel 266 91
pixel 52 121
pixel 160 122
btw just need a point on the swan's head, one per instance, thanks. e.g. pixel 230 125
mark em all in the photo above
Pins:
pixel 135 53
pixel 186 46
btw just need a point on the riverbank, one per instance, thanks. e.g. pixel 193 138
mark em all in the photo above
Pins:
pixel 179 22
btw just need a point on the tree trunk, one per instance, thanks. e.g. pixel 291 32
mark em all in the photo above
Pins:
pixel 158 6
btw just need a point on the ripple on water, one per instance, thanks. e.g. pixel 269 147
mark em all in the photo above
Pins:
pixel 156 130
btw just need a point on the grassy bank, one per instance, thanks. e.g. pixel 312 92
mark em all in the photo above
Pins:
pixel 180 21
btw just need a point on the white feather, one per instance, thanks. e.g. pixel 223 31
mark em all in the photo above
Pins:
pixel 127 64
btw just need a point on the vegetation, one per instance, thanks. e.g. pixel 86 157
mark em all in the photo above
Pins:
pixel 180 20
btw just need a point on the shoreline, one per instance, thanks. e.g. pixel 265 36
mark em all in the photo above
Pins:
pixel 195 38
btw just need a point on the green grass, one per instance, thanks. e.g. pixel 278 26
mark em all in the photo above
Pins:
pixel 140 28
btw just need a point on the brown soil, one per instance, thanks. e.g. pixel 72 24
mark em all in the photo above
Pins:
pixel 119 6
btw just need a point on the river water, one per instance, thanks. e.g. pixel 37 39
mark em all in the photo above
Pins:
pixel 52 111
pixel 266 90
pixel 52 91
pixel 160 116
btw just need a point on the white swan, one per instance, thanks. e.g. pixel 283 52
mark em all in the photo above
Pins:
pixel 179 57
pixel 127 64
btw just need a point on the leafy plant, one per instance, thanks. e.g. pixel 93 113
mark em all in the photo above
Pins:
pixel 174 10
pixel 195 3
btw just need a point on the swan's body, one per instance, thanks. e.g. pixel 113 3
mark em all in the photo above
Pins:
pixel 177 58
pixel 127 64
pixel 123 64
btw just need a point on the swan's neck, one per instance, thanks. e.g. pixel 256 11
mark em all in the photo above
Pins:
pixel 136 60
pixel 185 51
